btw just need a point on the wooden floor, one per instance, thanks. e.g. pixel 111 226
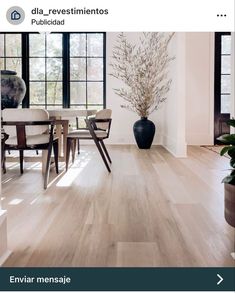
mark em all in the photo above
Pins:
pixel 152 210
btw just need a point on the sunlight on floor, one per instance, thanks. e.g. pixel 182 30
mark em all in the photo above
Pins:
pixel 34 200
pixel 63 179
pixel 73 172
pixel 7 180
pixel 15 201
pixel 35 166
pixel 13 166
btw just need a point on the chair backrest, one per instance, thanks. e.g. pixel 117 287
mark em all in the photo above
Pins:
pixel 25 115
pixel 103 114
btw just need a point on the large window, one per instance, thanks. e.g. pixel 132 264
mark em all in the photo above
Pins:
pixel 45 70
pixel 11 52
pixel 60 69
pixel 86 69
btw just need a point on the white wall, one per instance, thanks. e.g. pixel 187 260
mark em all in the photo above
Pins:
pixel 174 113
pixel 187 117
pixel 189 112
pixel 123 120
pixel 199 61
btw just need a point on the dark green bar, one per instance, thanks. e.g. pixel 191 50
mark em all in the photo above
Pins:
pixel 122 279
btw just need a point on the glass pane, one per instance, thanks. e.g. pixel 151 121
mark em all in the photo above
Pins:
pixel 13 45
pixel 78 107
pixel 37 92
pixel 54 107
pixel 95 68
pixel 54 45
pixel 95 45
pixel 37 69
pixel 98 108
pixel 36 45
pixel 95 92
pixel 78 68
pixel 81 120
pixel 54 69
pixel 225 84
pixel 1 45
pixel 42 106
pixel 14 64
pixel 225 64
pixel 226 44
pixel 78 93
pixel 77 45
pixel 54 92
pixel 2 63
pixel 225 104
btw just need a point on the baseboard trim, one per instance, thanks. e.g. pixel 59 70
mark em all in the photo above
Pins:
pixel 177 150
pixel 170 151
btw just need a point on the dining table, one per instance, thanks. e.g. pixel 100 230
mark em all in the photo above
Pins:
pixel 62 116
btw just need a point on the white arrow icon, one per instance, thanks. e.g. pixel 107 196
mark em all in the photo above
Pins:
pixel 220 279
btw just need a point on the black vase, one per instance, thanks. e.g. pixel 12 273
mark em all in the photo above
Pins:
pixel 144 131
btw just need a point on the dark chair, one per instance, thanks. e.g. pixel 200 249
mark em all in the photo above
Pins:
pixel 98 129
pixel 29 135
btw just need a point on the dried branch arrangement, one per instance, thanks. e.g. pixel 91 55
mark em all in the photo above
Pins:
pixel 143 69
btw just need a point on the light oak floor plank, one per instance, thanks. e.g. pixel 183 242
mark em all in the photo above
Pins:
pixel 152 210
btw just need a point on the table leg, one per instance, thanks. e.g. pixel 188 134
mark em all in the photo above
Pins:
pixel 58 134
pixel 65 133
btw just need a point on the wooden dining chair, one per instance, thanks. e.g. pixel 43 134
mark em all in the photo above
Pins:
pixel 30 129
pixel 98 129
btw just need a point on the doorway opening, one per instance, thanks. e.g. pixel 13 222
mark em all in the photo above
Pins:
pixel 222 84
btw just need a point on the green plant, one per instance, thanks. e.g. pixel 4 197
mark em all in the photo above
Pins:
pixel 229 139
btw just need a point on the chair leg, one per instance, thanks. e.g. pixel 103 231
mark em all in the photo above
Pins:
pixel 21 161
pixel 56 155
pixel 3 160
pixel 73 147
pixel 78 146
pixel 46 175
pixel 102 154
pixel 105 151
pixel 68 152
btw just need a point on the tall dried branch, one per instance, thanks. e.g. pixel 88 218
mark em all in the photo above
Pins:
pixel 144 71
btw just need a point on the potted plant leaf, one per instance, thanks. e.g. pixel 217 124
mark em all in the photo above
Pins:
pixel 143 69
pixel 229 180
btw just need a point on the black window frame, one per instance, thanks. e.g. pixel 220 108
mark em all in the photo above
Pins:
pixel 220 119
pixel 65 70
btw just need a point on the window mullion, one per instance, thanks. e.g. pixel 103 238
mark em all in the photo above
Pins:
pixel 25 68
pixel 45 71
pixel 66 70
pixel 104 70
pixel 86 73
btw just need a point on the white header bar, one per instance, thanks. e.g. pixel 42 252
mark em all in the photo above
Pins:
pixel 121 15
